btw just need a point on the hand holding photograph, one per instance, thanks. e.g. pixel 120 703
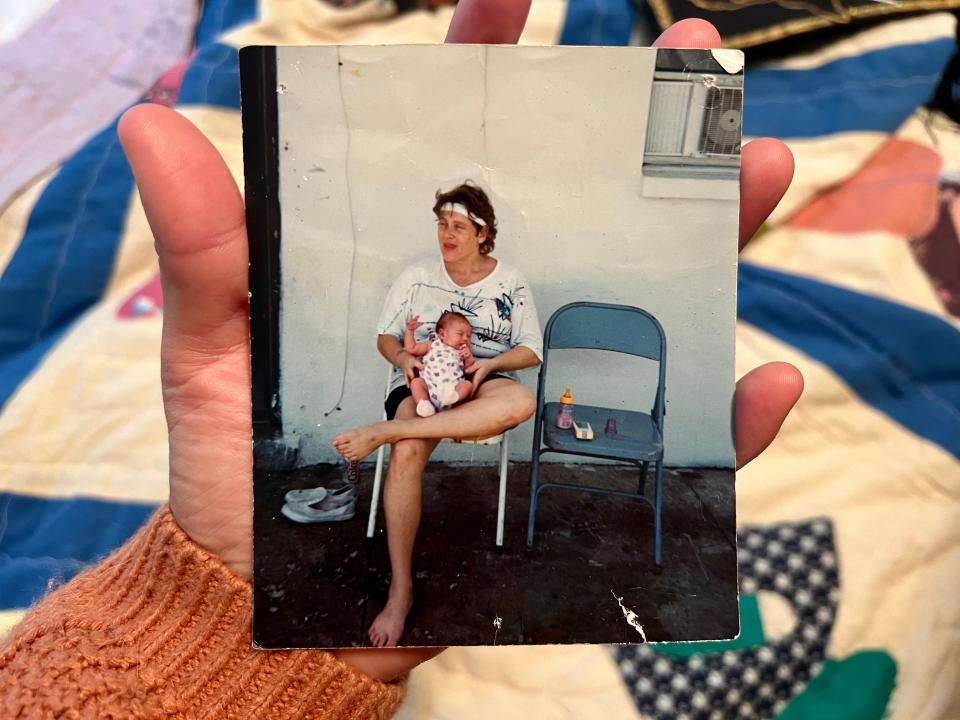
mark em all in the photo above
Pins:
pixel 493 294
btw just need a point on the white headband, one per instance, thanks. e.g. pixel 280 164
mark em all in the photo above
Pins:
pixel 458 207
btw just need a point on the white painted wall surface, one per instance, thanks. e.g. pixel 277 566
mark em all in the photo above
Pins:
pixel 556 136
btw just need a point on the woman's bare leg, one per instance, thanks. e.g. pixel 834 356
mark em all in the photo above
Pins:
pixel 402 506
pixel 498 405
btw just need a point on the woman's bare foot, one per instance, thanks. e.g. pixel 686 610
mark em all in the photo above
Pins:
pixel 356 444
pixel 387 627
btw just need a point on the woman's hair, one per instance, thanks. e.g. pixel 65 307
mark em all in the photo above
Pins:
pixel 477 202
pixel 447 317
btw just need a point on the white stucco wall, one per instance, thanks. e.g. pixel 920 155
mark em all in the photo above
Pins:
pixel 556 137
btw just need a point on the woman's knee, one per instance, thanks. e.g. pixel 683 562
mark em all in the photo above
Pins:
pixel 410 452
pixel 521 406
pixel 524 405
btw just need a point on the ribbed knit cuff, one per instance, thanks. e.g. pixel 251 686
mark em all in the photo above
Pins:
pixel 162 628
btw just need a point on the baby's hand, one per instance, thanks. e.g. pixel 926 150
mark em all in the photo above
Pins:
pixel 413 323
pixel 464 351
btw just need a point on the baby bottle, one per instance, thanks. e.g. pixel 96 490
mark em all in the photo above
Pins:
pixel 565 412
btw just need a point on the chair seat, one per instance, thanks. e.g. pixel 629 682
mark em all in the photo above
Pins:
pixel 637 438
pixel 492 440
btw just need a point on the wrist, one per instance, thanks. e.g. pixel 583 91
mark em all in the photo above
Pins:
pixel 163 592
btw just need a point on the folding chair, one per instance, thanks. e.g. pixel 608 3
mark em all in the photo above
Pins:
pixel 639 437
pixel 500 439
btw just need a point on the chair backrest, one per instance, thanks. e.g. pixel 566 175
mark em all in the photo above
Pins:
pixel 603 326
pixel 599 326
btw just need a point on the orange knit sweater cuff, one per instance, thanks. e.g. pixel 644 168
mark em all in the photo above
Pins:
pixel 162 628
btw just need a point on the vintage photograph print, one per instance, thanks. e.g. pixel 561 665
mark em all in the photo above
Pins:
pixel 492 305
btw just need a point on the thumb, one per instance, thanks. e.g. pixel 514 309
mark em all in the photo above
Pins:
pixel 197 217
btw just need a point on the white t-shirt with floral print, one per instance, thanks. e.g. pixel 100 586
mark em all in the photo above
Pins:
pixel 499 307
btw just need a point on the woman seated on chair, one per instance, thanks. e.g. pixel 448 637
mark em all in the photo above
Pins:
pixel 506 337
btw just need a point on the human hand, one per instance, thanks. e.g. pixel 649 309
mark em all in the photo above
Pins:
pixel 480 369
pixel 464 352
pixel 766 394
pixel 408 364
pixel 413 323
pixel 205 352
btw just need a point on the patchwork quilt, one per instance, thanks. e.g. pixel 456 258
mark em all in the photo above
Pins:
pixel 849 540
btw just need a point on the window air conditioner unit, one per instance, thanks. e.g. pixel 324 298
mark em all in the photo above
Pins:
pixel 694 119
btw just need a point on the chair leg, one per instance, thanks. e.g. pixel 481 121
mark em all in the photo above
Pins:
pixel 534 482
pixel 502 501
pixel 378 473
pixel 375 498
pixel 642 483
pixel 657 526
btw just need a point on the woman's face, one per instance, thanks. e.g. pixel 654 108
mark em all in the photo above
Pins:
pixel 458 237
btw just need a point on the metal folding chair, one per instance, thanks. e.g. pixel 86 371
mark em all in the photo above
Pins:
pixel 500 440
pixel 639 437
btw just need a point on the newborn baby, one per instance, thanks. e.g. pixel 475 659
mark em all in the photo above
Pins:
pixel 444 354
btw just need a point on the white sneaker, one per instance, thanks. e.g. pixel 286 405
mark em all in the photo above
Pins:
pixel 315 495
pixel 307 495
pixel 338 511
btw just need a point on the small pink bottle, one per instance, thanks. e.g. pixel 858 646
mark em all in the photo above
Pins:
pixel 565 412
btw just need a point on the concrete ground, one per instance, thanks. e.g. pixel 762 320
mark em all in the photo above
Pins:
pixel 321 585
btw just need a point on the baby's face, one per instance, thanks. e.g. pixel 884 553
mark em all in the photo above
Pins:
pixel 455 334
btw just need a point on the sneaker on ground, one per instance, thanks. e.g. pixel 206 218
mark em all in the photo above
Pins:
pixel 306 495
pixel 343 509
